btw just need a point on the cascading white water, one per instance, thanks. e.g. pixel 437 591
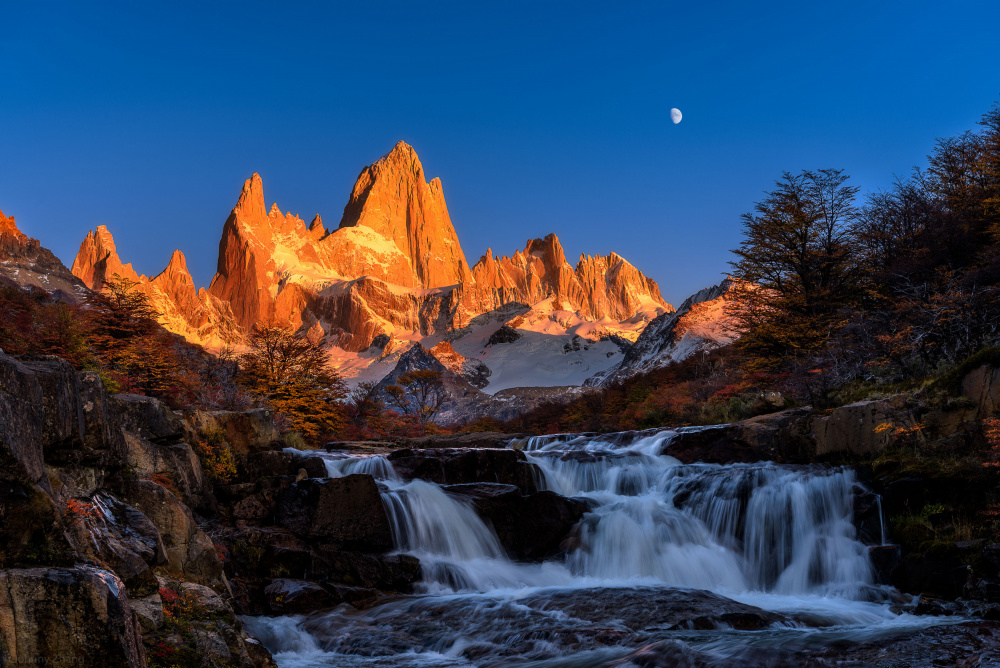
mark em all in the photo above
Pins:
pixel 763 527
pixel 778 537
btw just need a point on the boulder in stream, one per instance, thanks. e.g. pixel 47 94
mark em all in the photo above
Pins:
pixel 451 466
pixel 531 527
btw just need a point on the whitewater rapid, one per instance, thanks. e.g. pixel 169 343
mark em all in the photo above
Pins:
pixel 781 538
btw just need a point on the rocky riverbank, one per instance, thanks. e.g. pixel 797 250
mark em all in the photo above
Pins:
pixel 128 539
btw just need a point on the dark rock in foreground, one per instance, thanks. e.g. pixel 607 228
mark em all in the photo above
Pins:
pixel 533 628
pixel 51 616
pixel 531 527
pixel 448 466
pixel 346 512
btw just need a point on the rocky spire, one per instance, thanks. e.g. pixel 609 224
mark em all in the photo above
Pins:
pixel 392 198
pixel 8 228
pixel 97 260
pixel 177 284
pixel 316 229
pixel 245 271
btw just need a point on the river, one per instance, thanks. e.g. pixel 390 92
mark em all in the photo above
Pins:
pixel 696 564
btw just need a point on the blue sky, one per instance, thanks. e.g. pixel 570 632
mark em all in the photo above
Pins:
pixel 538 116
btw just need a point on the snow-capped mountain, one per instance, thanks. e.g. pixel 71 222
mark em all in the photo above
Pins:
pixel 393 274
pixel 702 323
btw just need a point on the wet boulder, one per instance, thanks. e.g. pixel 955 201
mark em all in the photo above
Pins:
pixel 778 437
pixel 346 512
pixel 391 572
pixel 120 537
pixel 531 527
pixel 286 596
pixel 474 439
pixel 49 616
pixel 453 466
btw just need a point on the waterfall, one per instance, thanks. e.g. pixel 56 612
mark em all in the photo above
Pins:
pixel 761 527
pixel 740 528
pixel 778 537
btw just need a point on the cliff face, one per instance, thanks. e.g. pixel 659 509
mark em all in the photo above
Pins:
pixel 600 286
pixel 394 268
pixel 27 264
pixel 393 199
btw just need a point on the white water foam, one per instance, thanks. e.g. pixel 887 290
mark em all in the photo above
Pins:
pixel 781 538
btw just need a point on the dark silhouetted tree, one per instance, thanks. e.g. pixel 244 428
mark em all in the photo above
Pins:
pixel 796 266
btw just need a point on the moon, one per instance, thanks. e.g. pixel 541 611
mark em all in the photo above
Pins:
pixel 675 115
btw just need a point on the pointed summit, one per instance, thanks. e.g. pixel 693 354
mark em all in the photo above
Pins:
pixel 250 206
pixel 97 260
pixel 316 229
pixel 7 227
pixel 392 198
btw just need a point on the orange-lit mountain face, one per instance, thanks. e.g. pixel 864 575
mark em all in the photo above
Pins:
pixel 392 274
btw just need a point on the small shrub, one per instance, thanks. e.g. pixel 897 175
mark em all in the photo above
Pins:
pixel 81 509
pixel 293 439
pixel 165 481
pixel 216 456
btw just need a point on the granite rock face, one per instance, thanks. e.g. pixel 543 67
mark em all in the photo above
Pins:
pixel 48 615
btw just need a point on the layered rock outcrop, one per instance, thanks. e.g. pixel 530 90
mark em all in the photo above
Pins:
pixel 91 478
pixel 24 262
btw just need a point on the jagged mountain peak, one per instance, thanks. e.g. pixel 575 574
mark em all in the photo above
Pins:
pixel 392 198
pixel 97 260
pixel 392 268
pixel 316 229
pixel 251 206
pixel 26 263
pixel 8 227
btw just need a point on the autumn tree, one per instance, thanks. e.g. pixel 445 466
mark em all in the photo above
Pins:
pixel 419 393
pixel 134 353
pixel 296 378
pixel 366 408
pixel 119 312
pixel 796 266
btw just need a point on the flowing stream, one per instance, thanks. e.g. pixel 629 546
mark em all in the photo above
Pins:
pixel 663 542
